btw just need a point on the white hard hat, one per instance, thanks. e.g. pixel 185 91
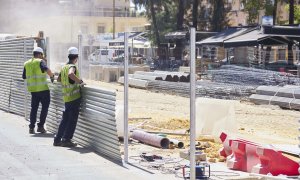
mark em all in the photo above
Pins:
pixel 38 49
pixel 73 50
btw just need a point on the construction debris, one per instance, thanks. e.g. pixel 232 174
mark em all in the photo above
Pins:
pixel 152 139
pixel 250 76
pixel 203 89
pixel 199 156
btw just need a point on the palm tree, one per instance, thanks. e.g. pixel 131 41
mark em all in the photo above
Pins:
pixel 195 13
pixel 150 6
pixel 275 12
pixel 219 19
pixel 180 14
pixel 291 12
pixel 291 22
pixel 154 22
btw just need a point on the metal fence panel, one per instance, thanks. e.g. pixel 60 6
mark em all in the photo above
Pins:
pixel 13 54
pixel 96 126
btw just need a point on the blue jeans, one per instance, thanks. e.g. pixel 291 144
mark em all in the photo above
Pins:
pixel 68 123
pixel 42 97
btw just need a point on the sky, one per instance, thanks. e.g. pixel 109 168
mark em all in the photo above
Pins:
pixel 139 9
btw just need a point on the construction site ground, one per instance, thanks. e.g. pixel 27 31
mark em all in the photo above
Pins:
pixel 33 157
pixel 160 112
pixel 25 156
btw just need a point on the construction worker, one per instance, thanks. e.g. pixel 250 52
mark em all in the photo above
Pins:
pixel 35 70
pixel 71 84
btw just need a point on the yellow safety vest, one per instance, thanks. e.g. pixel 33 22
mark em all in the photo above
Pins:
pixel 70 91
pixel 35 78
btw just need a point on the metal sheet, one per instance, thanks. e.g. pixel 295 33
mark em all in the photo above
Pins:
pixel 96 126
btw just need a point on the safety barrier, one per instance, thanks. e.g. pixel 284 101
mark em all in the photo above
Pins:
pixel 248 156
pixel 96 126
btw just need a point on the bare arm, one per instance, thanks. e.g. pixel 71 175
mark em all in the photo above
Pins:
pixel 72 76
pixel 49 72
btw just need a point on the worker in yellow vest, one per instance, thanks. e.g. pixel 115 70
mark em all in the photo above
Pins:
pixel 71 84
pixel 35 72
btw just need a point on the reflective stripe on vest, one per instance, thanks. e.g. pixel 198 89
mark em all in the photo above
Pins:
pixel 35 78
pixel 36 83
pixel 70 91
pixel 77 91
pixel 69 86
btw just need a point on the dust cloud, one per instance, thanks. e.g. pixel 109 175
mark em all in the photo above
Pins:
pixel 53 17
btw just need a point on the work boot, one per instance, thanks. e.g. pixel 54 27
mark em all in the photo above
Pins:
pixel 57 143
pixel 68 143
pixel 41 130
pixel 31 131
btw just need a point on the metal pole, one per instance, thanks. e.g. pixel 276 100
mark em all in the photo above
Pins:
pixel 131 53
pixel 48 51
pixel 80 48
pixel 192 104
pixel 114 21
pixel 25 88
pixel 126 98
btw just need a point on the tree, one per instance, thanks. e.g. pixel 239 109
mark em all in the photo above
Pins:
pixel 195 13
pixel 291 12
pixel 252 7
pixel 275 11
pixel 219 17
pixel 154 22
pixel 180 15
pixel 291 22
pixel 150 6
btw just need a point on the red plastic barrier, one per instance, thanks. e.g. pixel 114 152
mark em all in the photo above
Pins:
pixel 248 156
pixel 226 150
pixel 243 156
pixel 274 162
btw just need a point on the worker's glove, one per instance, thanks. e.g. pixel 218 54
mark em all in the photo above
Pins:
pixel 52 78
pixel 82 84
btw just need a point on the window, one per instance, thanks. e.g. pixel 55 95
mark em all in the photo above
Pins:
pixel 104 52
pixel 100 29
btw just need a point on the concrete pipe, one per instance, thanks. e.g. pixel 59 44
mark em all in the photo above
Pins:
pixel 175 78
pixel 151 139
pixel 169 78
pixel 178 144
pixel 183 79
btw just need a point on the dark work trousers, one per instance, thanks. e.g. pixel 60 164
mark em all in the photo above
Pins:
pixel 42 97
pixel 68 123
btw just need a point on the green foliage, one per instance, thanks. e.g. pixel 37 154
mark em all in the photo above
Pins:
pixel 218 17
pixel 296 12
pixel 252 7
pixel 165 12
pixel 269 8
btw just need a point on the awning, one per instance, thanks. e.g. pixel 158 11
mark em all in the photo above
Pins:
pixel 282 30
pixel 254 38
pixel 290 32
pixel 219 38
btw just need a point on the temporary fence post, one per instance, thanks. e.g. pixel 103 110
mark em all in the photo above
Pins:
pixel 192 104
pixel 48 52
pixel 126 97
pixel 25 87
pixel 80 48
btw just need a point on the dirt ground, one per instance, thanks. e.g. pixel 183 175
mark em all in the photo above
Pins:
pixel 158 111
